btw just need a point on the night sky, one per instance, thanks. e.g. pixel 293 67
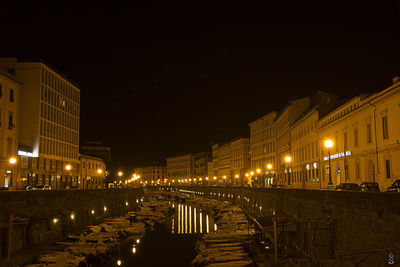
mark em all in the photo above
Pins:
pixel 158 80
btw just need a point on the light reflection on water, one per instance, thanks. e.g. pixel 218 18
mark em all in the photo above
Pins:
pixel 189 219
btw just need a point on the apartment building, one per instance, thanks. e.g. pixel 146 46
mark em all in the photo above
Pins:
pixel 240 160
pixel 10 88
pixel 49 124
pixel 92 172
pixel 180 167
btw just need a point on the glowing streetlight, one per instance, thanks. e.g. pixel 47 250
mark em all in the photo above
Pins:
pixel 329 144
pixel 120 173
pixel 237 175
pixel 269 166
pixel 288 159
pixel 251 173
pixel 258 170
pixel 99 171
pixel 68 167
pixel 12 160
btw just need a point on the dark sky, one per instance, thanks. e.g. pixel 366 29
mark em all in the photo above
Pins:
pixel 158 80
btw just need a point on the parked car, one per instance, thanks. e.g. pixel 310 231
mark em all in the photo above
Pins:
pixel 395 187
pixel 348 186
pixel 370 186
pixel 28 188
pixel 41 187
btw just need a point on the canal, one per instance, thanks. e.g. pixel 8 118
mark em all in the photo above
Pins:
pixel 169 244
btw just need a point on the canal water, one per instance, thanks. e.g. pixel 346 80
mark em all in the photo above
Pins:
pixel 170 244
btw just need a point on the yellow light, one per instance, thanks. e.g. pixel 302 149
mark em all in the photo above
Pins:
pixel 215 178
pixel 99 171
pixel 173 181
pixel 92 211
pixel 55 220
pixel 194 179
pixel 120 173
pixel 237 176
pixel 12 160
pixel 251 173
pixel 134 175
pixel 328 143
pixel 258 170
pixel 288 159
pixel 105 208
pixel 224 177
pixel 200 179
pixel 137 241
pixel 119 262
pixel 190 180
pixel 269 166
pixel 72 216
pixel 207 178
pixel 133 250
pixel 247 175
pixel 68 167
pixel 126 203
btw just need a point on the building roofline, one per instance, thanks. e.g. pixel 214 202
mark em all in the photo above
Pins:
pixel 42 61
pixel 270 114
pixel 9 76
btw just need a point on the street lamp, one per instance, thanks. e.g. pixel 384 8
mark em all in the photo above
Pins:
pixel 269 167
pixel 120 173
pixel 99 171
pixel 12 160
pixel 329 144
pixel 288 159
pixel 68 167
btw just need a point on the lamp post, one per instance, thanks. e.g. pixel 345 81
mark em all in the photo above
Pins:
pixel 258 172
pixel 68 168
pixel 329 145
pixel 288 159
pixel 269 167
pixel 12 161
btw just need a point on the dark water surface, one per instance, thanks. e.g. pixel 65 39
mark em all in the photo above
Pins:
pixel 170 244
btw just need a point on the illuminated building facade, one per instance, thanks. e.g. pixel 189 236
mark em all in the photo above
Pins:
pixel 221 163
pixel 48 124
pixel 92 172
pixel 366 135
pixel 180 167
pixel 9 104
pixel 201 161
pixel 262 147
pixel 155 173
pixel 240 160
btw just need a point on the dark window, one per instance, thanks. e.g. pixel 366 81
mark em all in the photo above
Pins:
pixel 10 122
pixel 387 164
pixel 385 127
pixel 11 95
pixel 1 90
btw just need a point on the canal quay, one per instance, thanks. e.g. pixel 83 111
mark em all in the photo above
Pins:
pixel 200 226
pixel 160 228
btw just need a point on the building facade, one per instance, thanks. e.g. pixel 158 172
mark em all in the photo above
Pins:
pixel 49 124
pixel 283 122
pixel 305 146
pixel 221 163
pixel 262 147
pixel 201 161
pixel 240 160
pixel 365 136
pixel 180 168
pixel 92 172
pixel 9 124
pixel 154 174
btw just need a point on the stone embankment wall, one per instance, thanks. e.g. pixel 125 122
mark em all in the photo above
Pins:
pixel 41 217
pixel 364 221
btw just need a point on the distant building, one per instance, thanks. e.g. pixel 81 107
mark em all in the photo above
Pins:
pixel 9 111
pixel 201 165
pixel 152 174
pixel 221 167
pixel 180 168
pixel 92 172
pixel 49 124
pixel 96 149
pixel 263 149
pixel 240 160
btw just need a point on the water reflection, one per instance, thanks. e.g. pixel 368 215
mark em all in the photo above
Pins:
pixel 189 219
